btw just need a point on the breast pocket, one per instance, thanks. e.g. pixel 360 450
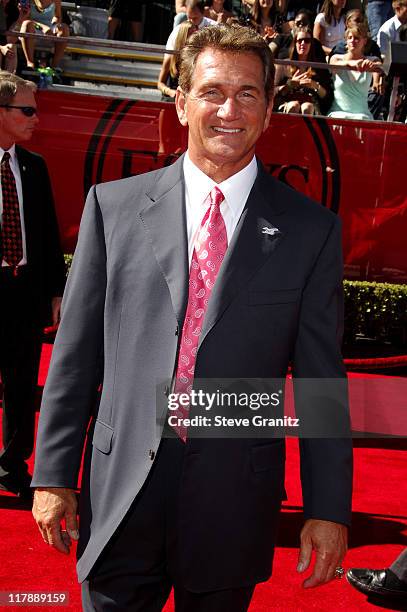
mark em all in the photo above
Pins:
pixel 283 296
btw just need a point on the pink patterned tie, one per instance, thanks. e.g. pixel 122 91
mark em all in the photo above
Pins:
pixel 209 250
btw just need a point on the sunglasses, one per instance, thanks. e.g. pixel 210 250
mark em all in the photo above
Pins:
pixel 304 40
pixel 28 111
pixel 300 23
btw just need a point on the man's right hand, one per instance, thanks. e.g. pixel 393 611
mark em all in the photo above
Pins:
pixel 51 506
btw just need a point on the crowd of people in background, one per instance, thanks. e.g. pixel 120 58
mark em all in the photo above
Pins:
pixel 31 16
pixel 303 90
pixel 348 33
pixel 328 33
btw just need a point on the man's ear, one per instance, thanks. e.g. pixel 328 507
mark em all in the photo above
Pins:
pixel 269 110
pixel 181 106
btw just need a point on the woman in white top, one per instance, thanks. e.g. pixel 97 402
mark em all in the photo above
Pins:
pixel 329 26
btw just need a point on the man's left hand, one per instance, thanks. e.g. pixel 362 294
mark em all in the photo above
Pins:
pixel 329 540
pixel 56 309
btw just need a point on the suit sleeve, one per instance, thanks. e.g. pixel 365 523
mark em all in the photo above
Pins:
pixel 54 265
pixel 321 389
pixel 75 374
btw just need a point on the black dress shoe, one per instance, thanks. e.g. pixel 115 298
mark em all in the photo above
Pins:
pixel 373 583
pixel 17 484
pixel 26 494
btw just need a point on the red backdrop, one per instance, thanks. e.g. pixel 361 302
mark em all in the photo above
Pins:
pixel 355 168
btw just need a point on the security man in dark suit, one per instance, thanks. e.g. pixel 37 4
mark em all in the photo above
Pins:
pixel 31 276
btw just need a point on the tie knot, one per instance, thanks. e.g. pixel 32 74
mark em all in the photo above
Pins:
pixel 5 158
pixel 216 197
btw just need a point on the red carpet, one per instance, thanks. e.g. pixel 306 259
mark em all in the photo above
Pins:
pixel 378 535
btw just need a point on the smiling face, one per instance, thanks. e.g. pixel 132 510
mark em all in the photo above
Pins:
pixel 14 125
pixel 226 111
pixel 303 45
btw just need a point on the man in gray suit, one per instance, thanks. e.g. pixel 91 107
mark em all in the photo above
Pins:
pixel 264 291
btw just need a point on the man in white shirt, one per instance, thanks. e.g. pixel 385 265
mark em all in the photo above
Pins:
pixel 208 269
pixel 389 32
pixel 195 14
pixel 32 276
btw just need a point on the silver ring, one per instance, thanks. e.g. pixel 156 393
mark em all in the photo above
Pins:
pixel 339 572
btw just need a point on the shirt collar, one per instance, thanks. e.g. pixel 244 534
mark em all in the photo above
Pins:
pixel 12 151
pixel 397 23
pixel 236 188
pixel 205 21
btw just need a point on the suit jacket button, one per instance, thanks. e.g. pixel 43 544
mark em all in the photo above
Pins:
pixel 177 331
pixel 151 454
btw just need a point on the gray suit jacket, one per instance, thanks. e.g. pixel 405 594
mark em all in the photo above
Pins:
pixel 277 300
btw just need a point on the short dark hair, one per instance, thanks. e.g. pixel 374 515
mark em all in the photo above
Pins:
pixel 10 84
pixel 229 39
pixel 307 13
pixel 199 4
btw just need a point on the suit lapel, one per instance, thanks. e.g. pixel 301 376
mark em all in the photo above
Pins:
pixel 28 189
pixel 250 247
pixel 165 221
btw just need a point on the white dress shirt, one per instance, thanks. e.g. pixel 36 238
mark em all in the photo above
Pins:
pixel 15 168
pixel 198 186
pixel 388 33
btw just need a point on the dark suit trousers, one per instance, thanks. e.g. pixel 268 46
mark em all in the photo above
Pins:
pixel 20 346
pixel 136 570
pixel 399 566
